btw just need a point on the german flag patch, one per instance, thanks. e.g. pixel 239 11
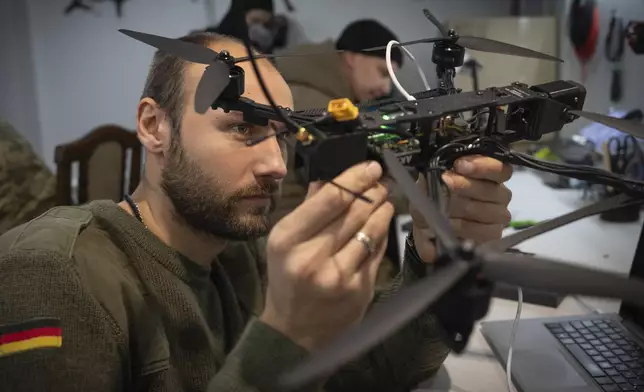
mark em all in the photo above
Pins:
pixel 30 335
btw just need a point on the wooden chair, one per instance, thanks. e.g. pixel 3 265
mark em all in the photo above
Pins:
pixel 102 157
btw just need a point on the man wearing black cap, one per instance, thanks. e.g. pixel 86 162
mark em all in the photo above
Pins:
pixel 360 76
pixel 325 75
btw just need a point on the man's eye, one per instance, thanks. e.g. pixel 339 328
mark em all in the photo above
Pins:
pixel 242 129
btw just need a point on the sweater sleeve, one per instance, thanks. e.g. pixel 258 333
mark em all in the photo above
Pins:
pixel 412 355
pixel 259 357
pixel 52 331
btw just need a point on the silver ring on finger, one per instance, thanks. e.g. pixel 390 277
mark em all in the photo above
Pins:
pixel 366 241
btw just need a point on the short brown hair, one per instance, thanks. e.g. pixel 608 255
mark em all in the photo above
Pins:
pixel 164 82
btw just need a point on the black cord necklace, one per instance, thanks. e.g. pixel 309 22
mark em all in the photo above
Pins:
pixel 135 209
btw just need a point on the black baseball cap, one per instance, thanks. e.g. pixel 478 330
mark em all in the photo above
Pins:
pixel 368 33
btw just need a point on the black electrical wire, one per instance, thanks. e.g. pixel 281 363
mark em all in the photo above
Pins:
pixel 584 173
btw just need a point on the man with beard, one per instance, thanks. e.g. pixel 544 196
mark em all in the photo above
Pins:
pixel 175 288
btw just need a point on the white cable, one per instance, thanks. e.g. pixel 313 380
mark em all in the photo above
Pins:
pixel 586 305
pixel 392 74
pixel 515 326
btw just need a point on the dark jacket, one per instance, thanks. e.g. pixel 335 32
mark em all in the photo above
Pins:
pixel 114 309
pixel 27 186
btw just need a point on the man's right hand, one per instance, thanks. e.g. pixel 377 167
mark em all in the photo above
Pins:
pixel 320 276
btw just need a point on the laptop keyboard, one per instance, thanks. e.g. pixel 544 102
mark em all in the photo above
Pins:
pixel 606 351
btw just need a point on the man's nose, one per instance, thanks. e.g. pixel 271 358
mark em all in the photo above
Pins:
pixel 271 161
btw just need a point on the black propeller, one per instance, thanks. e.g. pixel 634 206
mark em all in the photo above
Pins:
pixel 441 27
pixel 217 74
pixel 631 127
pixel 520 270
pixel 486 44
pixel 215 77
pixel 473 43
pixel 383 320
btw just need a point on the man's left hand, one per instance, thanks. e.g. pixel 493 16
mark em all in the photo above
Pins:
pixel 477 207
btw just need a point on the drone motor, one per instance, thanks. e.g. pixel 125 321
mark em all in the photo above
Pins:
pixel 447 56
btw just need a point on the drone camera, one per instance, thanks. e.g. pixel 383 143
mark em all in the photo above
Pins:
pixel 569 93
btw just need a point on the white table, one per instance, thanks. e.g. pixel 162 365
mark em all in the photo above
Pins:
pixel 590 242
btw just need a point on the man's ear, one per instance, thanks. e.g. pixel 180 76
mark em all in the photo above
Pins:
pixel 350 59
pixel 152 126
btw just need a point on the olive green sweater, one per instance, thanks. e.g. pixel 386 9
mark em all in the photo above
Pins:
pixel 134 315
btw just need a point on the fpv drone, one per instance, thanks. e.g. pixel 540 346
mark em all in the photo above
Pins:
pixel 427 133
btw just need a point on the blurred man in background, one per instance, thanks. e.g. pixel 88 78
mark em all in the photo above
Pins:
pixel 27 186
pixel 254 20
pixel 359 76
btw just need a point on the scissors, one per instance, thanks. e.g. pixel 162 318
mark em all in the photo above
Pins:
pixel 625 155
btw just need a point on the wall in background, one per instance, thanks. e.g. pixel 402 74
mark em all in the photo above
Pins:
pixel 88 73
pixel 599 70
pixel 18 96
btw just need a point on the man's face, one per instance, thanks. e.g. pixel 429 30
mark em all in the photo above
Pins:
pixel 258 16
pixel 369 77
pixel 218 184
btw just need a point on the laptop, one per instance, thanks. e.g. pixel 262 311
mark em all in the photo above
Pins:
pixel 597 352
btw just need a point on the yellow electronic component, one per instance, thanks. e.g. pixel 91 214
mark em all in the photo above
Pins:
pixel 303 136
pixel 343 109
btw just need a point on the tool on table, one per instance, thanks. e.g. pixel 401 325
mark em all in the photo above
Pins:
pixel 615 43
pixel 625 156
pixel 522 224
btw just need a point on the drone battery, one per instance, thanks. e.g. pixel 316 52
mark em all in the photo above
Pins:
pixel 567 92
pixel 325 159
pixel 550 115
pixel 533 118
